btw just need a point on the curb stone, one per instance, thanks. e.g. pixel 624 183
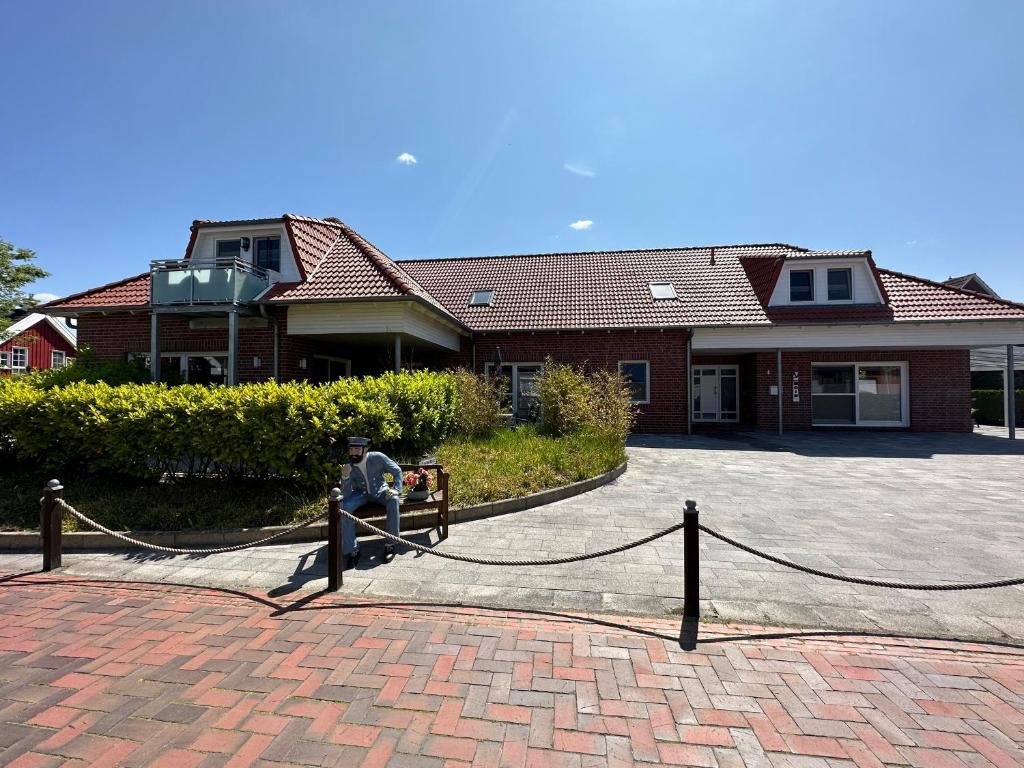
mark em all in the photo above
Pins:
pixel 80 541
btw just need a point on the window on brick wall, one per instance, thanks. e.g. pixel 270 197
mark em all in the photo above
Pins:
pixel 637 374
pixel 859 394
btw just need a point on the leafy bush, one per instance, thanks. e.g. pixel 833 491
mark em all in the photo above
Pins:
pixel 479 412
pixel 293 430
pixel 87 368
pixel 989 406
pixel 572 400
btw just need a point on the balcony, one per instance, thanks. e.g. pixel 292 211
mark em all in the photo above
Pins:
pixel 207 282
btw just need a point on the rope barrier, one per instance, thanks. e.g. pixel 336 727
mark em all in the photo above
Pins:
pixel 181 550
pixel 854 579
pixel 496 561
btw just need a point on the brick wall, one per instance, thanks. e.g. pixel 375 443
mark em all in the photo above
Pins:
pixel 664 350
pixel 940 386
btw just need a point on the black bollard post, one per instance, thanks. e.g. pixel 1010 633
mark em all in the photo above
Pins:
pixel 691 577
pixel 51 525
pixel 334 577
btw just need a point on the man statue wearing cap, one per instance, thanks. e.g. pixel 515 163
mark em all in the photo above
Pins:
pixel 362 481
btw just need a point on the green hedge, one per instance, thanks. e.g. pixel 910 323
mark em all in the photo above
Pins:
pixel 263 430
pixel 989 406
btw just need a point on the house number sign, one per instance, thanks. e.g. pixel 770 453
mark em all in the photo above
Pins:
pixel 796 386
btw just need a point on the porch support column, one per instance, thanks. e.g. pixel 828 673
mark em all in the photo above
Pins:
pixel 688 394
pixel 398 353
pixel 232 347
pixel 154 346
pixel 277 351
pixel 1010 392
pixel 778 381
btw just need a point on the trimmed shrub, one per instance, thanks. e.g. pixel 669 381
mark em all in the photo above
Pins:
pixel 572 400
pixel 293 430
pixel 85 367
pixel 479 412
pixel 989 406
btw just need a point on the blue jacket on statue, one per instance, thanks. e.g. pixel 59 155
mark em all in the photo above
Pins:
pixel 358 489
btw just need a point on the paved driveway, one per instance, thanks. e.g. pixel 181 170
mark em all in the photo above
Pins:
pixel 899 506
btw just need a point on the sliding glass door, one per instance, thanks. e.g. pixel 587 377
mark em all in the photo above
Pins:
pixel 859 394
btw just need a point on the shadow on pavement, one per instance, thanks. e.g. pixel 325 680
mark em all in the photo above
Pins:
pixel 688 637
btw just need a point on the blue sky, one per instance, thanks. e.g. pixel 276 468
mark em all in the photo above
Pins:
pixel 892 126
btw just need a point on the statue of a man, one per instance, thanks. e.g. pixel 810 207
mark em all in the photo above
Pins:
pixel 362 481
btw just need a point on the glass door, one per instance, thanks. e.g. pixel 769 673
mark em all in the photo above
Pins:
pixel 716 393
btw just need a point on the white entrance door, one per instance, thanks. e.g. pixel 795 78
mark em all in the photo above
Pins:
pixel 716 394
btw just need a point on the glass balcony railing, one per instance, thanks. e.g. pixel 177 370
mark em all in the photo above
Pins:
pixel 220 281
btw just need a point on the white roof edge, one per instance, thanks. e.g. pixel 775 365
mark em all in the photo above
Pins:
pixel 31 319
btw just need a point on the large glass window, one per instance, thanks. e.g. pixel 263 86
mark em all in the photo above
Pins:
pixel 517 388
pixel 868 394
pixel 801 285
pixel 268 253
pixel 637 376
pixel 840 284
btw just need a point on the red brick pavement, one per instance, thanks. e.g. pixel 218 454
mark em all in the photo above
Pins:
pixel 113 673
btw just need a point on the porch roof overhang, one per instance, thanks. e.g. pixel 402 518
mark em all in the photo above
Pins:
pixel 355 319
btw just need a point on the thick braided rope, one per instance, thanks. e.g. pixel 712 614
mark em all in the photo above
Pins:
pixel 181 550
pixel 855 580
pixel 490 561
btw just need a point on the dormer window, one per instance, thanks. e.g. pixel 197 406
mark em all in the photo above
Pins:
pixel 663 291
pixel 229 249
pixel 801 285
pixel 268 253
pixel 483 298
pixel 840 284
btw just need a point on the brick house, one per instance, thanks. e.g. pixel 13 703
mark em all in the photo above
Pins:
pixel 767 336
pixel 34 342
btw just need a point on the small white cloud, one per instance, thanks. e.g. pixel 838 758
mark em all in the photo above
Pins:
pixel 406 158
pixel 582 224
pixel 911 242
pixel 42 298
pixel 580 170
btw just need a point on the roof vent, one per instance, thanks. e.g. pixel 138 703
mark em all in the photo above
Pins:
pixel 482 298
pixel 663 291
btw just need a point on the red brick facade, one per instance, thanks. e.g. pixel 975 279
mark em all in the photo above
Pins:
pixel 939 380
pixel 665 352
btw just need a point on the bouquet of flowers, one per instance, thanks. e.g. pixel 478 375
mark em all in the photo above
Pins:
pixel 418 483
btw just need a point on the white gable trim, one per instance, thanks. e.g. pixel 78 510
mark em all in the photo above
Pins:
pixel 30 321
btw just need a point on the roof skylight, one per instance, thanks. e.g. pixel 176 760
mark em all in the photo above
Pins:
pixel 663 291
pixel 482 298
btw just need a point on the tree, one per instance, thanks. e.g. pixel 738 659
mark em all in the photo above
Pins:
pixel 16 271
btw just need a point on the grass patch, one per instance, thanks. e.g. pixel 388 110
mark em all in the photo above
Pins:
pixel 515 463
pixel 507 464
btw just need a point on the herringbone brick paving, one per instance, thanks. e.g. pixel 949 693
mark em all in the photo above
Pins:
pixel 113 673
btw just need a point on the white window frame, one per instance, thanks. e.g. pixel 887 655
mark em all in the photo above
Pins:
pixel 5 359
pixel 647 381
pixel 254 250
pixel 53 358
pixel 241 253
pixel 695 369
pixel 904 367
pixel 24 352
pixel 489 371
pixel 670 286
pixel 849 271
pixel 811 272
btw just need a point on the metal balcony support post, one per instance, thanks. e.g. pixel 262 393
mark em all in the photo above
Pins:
pixel 334 577
pixel 154 346
pixel 398 353
pixel 1011 395
pixel 778 381
pixel 51 525
pixel 691 577
pixel 232 347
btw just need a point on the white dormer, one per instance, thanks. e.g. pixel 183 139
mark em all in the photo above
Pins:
pixel 811 281
pixel 264 245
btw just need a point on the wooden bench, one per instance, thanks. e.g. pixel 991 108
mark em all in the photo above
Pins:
pixel 438 499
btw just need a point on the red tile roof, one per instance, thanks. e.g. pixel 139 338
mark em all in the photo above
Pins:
pixel 131 292
pixel 916 298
